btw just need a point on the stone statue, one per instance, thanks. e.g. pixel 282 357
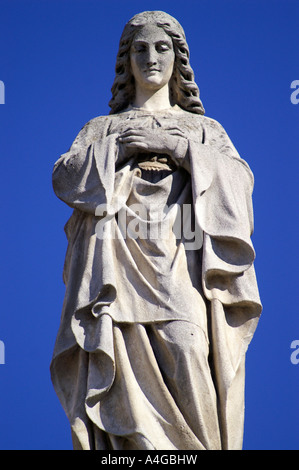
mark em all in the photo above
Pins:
pixel 161 297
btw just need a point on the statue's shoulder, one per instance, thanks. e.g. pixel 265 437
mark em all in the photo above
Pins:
pixel 97 123
pixel 207 122
pixel 101 124
pixel 215 126
pixel 200 119
pixel 92 130
pixel 200 123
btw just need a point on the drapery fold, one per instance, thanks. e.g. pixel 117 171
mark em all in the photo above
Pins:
pixel 97 279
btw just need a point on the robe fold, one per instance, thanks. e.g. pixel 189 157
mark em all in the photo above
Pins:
pixel 123 376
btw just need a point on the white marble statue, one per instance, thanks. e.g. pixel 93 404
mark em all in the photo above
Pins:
pixel 161 298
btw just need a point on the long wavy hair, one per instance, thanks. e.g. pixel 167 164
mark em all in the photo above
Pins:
pixel 183 89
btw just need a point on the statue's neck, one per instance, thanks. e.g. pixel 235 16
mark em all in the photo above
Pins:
pixel 152 100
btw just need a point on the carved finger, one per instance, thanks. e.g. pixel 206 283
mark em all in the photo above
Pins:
pixel 176 131
pixel 137 145
pixel 133 132
pixel 174 128
pixel 131 138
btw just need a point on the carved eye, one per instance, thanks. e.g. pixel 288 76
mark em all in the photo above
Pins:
pixel 139 48
pixel 162 47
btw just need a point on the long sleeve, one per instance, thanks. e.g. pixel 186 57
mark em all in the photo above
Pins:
pixel 82 176
pixel 222 193
pixel 222 185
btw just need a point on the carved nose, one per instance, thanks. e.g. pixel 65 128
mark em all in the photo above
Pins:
pixel 151 62
pixel 151 58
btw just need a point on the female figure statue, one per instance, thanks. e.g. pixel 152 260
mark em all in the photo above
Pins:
pixel 156 319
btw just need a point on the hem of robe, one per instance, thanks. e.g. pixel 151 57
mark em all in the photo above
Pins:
pixel 84 383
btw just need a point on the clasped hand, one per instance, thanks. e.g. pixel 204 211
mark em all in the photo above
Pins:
pixel 158 140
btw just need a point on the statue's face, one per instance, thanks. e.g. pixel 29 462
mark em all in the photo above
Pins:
pixel 152 58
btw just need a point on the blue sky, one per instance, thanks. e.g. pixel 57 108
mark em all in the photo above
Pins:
pixel 57 63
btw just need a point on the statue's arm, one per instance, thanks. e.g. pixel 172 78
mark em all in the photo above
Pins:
pixel 212 137
pixel 75 177
pixel 222 184
pixel 215 136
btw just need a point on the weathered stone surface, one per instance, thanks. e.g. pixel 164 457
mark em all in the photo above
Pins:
pixel 161 297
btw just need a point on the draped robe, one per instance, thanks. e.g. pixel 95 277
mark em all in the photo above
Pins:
pixel 119 365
